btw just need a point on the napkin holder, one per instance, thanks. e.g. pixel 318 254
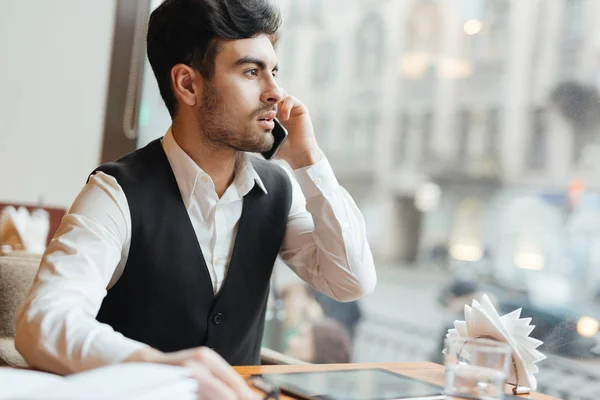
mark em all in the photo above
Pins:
pixel 483 321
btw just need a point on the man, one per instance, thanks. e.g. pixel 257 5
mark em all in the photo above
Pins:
pixel 168 252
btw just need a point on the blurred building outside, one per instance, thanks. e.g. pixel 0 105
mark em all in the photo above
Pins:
pixel 443 120
pixel 465 132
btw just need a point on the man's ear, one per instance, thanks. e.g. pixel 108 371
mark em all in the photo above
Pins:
pixel 185 82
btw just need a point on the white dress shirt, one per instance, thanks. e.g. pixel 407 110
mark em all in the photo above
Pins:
pixel 56 328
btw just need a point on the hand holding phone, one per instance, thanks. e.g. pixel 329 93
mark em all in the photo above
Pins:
pixel 279 134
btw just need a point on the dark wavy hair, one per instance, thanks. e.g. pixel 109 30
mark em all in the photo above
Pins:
pixel 190 32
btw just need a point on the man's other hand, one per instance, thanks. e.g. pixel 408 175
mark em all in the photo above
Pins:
pixel 217 380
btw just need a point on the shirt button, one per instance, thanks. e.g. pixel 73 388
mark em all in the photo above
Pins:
pixel 318 180
pixel 204 179
pixel 218 318
pixel 218 260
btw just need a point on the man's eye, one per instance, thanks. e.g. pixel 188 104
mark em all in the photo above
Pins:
pixel 252 72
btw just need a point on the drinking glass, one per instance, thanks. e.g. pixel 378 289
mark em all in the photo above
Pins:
pixel 476 368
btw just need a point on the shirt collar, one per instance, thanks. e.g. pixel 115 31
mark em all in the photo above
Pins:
pixel 187 172
pixel 246 176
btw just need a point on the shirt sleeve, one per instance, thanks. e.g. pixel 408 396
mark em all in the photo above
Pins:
pixel 56 328
pixel 325 242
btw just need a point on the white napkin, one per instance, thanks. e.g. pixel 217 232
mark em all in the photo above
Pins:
pixel 482 319
pixel 24 231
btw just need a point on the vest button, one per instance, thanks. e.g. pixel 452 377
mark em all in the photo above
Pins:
pixel 218 318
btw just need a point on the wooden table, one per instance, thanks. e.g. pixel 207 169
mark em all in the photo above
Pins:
pixel 426 371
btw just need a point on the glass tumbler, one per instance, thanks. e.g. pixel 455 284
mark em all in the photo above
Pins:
pixel 476 368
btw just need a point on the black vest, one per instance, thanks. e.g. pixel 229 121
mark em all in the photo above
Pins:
pixel 164 297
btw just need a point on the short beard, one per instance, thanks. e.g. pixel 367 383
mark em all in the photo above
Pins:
pixel 217 122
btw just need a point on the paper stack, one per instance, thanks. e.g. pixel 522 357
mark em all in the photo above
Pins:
pixel 131 381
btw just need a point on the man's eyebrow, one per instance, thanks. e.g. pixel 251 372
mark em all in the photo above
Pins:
pixel 252 60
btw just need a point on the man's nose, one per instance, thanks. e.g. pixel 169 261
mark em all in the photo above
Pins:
pixel 273 95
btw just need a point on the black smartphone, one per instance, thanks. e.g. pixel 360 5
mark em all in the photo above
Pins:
pixel 279 134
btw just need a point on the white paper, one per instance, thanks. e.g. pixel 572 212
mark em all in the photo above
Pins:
pixel 120 381
pixel 18 383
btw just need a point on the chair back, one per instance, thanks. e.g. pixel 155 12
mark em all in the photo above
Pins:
pixel 16 277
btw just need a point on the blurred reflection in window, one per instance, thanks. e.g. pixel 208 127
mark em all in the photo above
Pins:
pixel 465 239
pixel 322 125
pixel 426 133
pixel 538 147
pixel 353 134
pixel 323 341
pixel 300 309
pixel 372 124
pixel 347 314
pixel 492 133
pixel 424 28
pixel 496 24
pixel 324 64
pixel 572 37
pixel 574 14
pixel 580 106
pixel 401 138
pixel 464 135
pixel 370 43
pixel 315 328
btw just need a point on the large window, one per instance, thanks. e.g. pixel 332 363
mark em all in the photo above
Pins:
pixel 472 94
